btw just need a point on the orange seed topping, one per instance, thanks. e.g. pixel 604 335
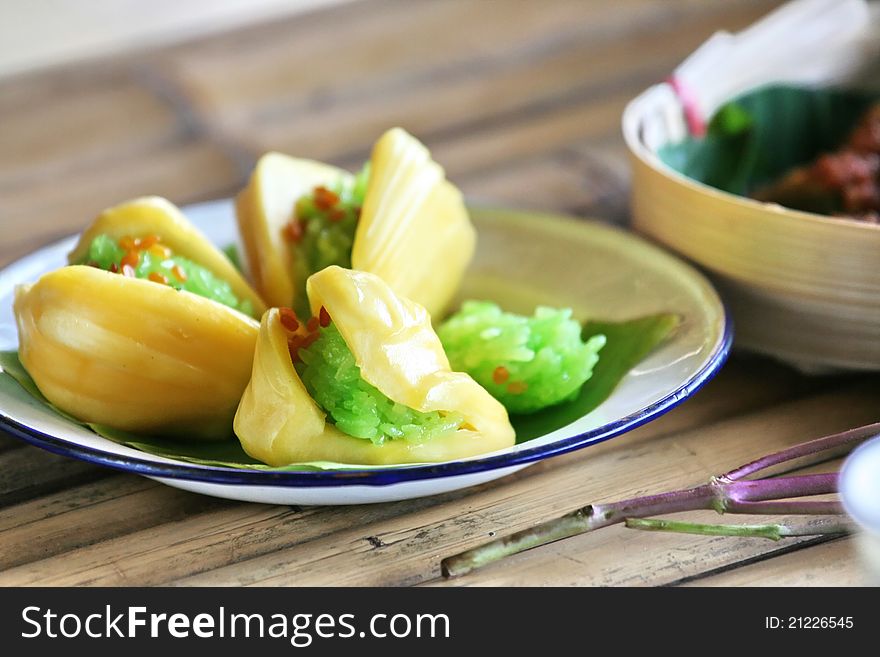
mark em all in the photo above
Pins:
pixel 325 198
pixel 289 319
pixel 131 258
pixel 293 231
pixel 336 215
pixel 500 375
pixel 146 242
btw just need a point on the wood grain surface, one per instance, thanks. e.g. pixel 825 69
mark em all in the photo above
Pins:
pixel 521 102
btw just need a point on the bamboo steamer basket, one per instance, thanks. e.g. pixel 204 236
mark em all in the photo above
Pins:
pixel 802 287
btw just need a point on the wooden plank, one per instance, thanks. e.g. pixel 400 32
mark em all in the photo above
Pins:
pixel 387 45
pixel 835 563
pixel 593 183
pixel 202 541
pixel 8 442
pixel 238 532
pixel 407 549
pixel 26 472
pixel 48 140
pixel 41 34
pixel 83 515
pixel 519 81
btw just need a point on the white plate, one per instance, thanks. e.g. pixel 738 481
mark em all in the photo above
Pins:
pixel 523 259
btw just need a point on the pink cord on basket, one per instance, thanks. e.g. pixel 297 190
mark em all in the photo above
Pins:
pixel 690 106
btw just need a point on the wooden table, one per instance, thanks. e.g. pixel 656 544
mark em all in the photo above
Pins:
pixel 521 101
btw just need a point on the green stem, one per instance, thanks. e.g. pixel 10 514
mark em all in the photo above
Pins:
pixel 586 519
pixel 772 531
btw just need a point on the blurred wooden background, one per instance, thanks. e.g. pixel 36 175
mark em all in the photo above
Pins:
pixel 519 99
pixel 40 33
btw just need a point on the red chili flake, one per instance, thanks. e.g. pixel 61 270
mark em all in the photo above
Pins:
pixel 325 198
pixel 517 387
pixel 156 277
pixel 293 344
pixel 114 268
pixel 131 258
pixel 179 273
pixel 293 231
pixel 128 270
pixel 324 317
pixel 289 319
pixel 500 375
pixel 336 215
pixel 309 339
pixel 312 325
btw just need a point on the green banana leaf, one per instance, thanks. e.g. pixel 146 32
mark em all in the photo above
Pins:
pixel 231 252
pixel 627 344
pixel 756 138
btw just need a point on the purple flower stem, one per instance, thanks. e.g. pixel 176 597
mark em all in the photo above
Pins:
pixel 773 507
pixel 729 493
pixel 778 487
pixel 848 439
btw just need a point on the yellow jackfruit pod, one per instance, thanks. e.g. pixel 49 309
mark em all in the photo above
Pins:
pixel 397 352
pixel 414 230
pixel 156 216
pixel 134 355
pixel 264 208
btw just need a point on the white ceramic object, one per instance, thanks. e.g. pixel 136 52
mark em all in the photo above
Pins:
pixel 860 494
pixel 522 260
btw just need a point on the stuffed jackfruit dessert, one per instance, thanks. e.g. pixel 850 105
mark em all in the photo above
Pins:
pixel 149 330
pixel 399 218
pixel 364 381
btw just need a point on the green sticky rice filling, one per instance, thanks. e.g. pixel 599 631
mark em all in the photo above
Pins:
pixel 105 253
pixel 526 363
pixel 330 374
pixel 327 234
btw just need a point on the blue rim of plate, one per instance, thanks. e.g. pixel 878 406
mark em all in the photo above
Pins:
pixel 378 477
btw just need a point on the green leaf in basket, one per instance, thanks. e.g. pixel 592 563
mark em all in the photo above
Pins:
pixel 758 137
pixel 732 120
pixel 627 343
